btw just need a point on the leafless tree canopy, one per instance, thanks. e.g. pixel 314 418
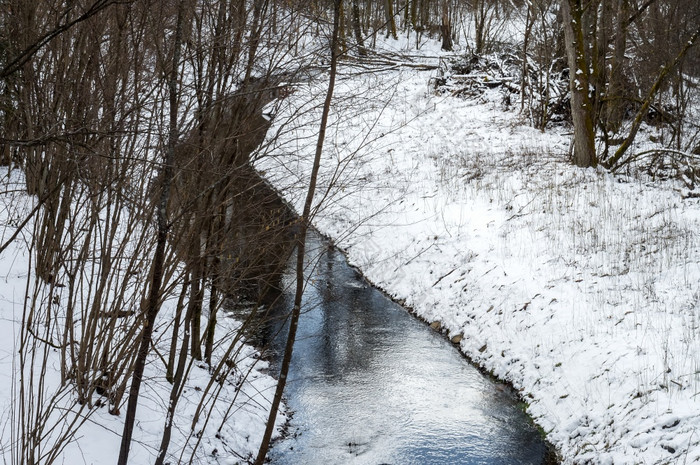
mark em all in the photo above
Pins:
pixel 134 124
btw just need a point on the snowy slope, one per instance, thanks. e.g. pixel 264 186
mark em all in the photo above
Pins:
pixel 578 287
pixel 228 431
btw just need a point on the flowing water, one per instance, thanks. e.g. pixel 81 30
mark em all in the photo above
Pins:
pixel 371 384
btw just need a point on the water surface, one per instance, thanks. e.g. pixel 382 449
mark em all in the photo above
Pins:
pixel 370 384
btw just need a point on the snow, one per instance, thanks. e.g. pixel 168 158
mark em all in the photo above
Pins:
pixel 578 287
pixel 232 415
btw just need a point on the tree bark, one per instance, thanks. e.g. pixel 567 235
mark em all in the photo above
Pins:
pixel 196 303
pixel 259 9
pixel 582 111
pixel 480 29
pixel 390 21
pixel 526 41
pixel 170 370
pixel 342 39
pixel 445 27
pixel 357 29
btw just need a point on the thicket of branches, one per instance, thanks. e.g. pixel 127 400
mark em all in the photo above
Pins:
pixel 604 66
pixel 133 124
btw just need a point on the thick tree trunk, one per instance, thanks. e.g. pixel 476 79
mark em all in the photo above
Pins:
pixel 582 111
pixel 480 29
pixel 414 14
pixel 342 39
pixel 390 21
pixel 445 27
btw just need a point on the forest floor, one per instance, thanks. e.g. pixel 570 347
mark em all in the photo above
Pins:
pixel 579 287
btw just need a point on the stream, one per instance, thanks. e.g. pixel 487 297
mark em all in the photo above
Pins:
pixel 371 384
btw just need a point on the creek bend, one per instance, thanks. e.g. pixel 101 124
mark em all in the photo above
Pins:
pixel 371 384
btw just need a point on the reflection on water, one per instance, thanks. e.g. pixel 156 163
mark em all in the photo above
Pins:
pixel 370 384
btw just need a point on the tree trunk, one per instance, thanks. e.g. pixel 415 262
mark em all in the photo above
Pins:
pixel 445 27
pixel 524 70
pixel 414 15
pixel 175 392
pixel 390 21
pixel 357 29
pixel 170 370
pixel 213 310
pixel 479 26
pixel 615 98
pixel 301 246
pixel 342 39
pixel 259 8
pixel 582 111
pixel 153 305
pixel 196 302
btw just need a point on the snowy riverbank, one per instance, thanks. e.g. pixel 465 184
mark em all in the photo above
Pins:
pixel 231 409
pixel 578 287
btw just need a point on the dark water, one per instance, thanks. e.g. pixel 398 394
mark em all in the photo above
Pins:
pixel 370 384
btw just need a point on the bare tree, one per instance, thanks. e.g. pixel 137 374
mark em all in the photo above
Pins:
pixel 305 221
pixel 158 267
pixel 617 158
pixel 582 111
pixel 446 26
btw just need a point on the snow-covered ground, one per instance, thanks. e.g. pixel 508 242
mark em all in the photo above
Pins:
pixel 231 409
pixel 580 288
